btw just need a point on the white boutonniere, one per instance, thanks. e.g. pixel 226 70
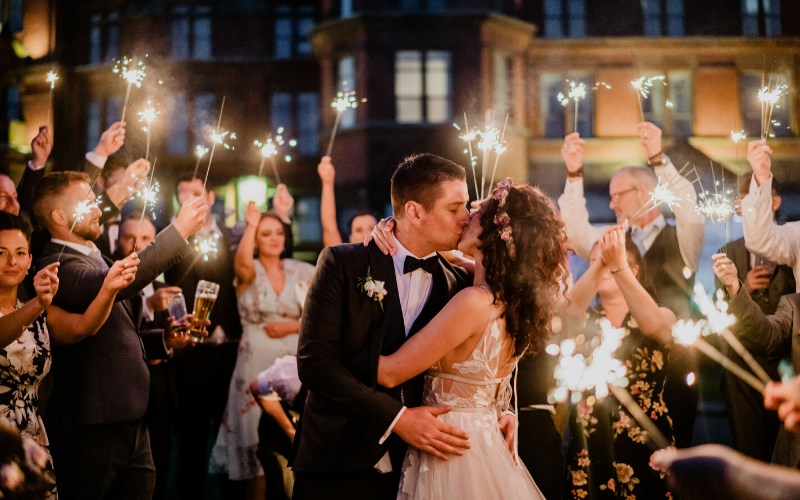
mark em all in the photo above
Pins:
pixel 373 288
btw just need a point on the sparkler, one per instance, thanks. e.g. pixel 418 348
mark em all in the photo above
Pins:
pixel 769 97
pixel 343 102
pixel 643 86
pixel 82 209
pixel 217 138
pixel 270 149
pixel 147 115
pixel 207 246
pixel 491 139
pixel 131 72
pixel 469 137
pixel 576 93
pixel 738 136
pixel 662 194
pixel 148 195
pixel 200 151
pixel 51 79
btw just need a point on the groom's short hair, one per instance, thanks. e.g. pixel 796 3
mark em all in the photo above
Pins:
pixel 419 178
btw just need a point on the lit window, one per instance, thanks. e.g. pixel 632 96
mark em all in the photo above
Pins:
pixel 663 17
pixel 96 40
pixel 552 110
pixel 178 141
pixel 422 96
pixel 112 36
pixel 307 220
pixel 191 33
pixel 577 18
pixel 346 8
pixel 293 25
pixel 283 38
pixel 201 31
pixel 179 37
pixel 308 123
pixel 15 16
pixel 680 97
pixel 564 18
pixel 92 125
pixel 761 18
pixel 347 83
pixel 13 108
pixel 281 111
pixel 553 19
pixel 749 84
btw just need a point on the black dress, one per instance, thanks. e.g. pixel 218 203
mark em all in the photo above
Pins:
pixel 609 454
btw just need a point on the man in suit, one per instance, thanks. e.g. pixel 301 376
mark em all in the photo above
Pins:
pixel 102 383
pixel 754 428
pixel 773 336
pixel 352 436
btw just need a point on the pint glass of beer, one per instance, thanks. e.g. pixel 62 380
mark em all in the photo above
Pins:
pixel 204 301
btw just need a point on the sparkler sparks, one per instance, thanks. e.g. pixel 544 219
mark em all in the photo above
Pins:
pixel 643 85
pixel 344 101
pixel 716 206
pixel 576 92
pixel 738 136
pixel 133 75
pixel 83 209
pixel 663 194
pixel 771 97
pixel 200 151
pixel 220 138
pixel 271 149
pixel 207 247
pixel 51 79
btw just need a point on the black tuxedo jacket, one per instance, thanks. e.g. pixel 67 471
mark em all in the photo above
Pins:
pixel 342 335
pixel 104 378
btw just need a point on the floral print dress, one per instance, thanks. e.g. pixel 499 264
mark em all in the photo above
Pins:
pixel 23 365
pixel 609 454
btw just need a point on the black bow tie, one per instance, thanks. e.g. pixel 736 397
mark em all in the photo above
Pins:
pixel 428 265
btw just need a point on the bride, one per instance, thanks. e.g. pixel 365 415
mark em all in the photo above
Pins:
pixel 470 349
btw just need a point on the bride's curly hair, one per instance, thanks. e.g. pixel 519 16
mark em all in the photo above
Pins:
pixel 527 274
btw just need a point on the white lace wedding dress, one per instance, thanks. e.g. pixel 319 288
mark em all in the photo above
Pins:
pixel 478 389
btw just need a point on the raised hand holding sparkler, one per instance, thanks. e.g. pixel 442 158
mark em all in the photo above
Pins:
pixel 643 86
pixel 41 146
pixel 343 102
pixel 51 79
pixel 133 73
pixel 758 155
pixel 572 153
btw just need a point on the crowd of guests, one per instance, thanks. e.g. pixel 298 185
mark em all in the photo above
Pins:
pixel 97 377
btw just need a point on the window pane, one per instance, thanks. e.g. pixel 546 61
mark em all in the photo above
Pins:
pixel 779 126
pixel 749 103
pixel 95 37
pixel 113 110
pixel 553 28
pixel 304 27
pixel 346 8
pixel 204 117
pixel 92 125
pixel 552 8
pixel 680 94
pixel 652 27
pixel 112 45
pixel 502 83
pixel 437 86
pixel 15 16
pixel 202 38
pixel 750 26
pixel 283 38
pixel 280 109
pixel 308 123
pixel 408 86
pixel 655 103
pixel 347 83
pixel 178 141
pixel 585 108
pixel 772 24
pixel 179 38
pixel 13 108
pixel 552 111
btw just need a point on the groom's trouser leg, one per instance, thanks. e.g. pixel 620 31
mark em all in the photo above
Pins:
pixel 540 451
pixel 364 484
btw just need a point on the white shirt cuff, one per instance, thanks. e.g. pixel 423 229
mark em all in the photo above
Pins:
pixel 389 430
pixel 34 167
pixel 96 160
pixel 573 189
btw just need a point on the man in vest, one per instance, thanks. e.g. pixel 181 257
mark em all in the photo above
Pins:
pixel 671 252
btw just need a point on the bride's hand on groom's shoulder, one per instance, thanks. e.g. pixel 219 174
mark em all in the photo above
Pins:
pixel 382 235
pixel 420 428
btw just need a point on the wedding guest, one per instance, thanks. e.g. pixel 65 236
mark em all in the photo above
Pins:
pixel 764 335
pixel 779 244
pixel 18 201
pixel 669 251
pixel 608 453
pixel 21 467
pixel 360 225
pixel 112 173
pixel 754 428
pixel 785 399
pixel 163 405
pixel 25 355
pixel 268 290
pixel 100 445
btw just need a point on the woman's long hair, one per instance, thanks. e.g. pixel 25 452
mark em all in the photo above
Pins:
pixel 528 278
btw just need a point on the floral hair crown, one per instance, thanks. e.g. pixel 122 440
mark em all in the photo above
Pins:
pixel 501 218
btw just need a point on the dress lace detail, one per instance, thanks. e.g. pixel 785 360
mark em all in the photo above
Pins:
pixel 478 389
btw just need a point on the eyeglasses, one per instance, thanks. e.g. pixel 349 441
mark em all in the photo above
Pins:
pixel 615 196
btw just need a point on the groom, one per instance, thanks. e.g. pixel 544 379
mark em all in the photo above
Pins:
pixel 353 433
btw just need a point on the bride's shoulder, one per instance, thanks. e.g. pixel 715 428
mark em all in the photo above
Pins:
pixel 473 298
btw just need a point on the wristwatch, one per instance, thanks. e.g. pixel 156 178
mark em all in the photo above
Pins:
pixel 660 162
pixel 577 173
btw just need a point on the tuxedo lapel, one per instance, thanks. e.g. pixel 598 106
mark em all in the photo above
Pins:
pixel 387 327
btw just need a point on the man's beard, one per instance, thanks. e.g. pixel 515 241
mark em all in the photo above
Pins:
pixel 86 232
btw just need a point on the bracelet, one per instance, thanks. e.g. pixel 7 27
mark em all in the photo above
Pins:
pixel 615 271
pixel 577 173
pixel 655 155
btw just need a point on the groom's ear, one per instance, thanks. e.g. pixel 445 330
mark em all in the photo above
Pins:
pixel 414 212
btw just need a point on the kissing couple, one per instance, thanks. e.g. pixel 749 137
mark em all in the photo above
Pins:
pixel 408 358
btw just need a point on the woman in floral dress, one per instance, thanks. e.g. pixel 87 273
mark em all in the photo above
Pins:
pixel 270 292
pixel 609 453
pixel 25 350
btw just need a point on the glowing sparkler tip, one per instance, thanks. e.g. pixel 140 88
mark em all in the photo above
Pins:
pixel 344 100
pixel 51 79
pixel 200 150
pixel 148 114
pixel 738 136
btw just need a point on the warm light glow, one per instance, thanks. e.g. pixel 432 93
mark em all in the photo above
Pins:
pixel 343 101
pixel 690 378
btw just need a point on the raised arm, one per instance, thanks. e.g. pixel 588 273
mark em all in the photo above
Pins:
pixel 69 328
pixel 243 263
pixel 580 294
pixel 330 229
pixel 464 317
pixel 654 321
pixel 46 285
pixel 573 204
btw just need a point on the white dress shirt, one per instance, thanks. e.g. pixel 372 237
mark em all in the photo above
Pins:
pixel 413 290
pixel 778 244
pixel 690 225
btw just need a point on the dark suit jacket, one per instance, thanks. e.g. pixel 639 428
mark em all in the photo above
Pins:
pixel 342 335
pixel 665 267
pixel 25 192
pixel 775 335
pixel 104 378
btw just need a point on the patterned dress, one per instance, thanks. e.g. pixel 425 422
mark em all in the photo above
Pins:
pixel 609 454
pixel 23 365
pixel 237 442
pixel 478 389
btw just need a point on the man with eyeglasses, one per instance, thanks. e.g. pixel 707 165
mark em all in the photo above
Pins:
pixel 671 252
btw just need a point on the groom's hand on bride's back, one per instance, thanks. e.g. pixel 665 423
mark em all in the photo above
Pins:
pixel 382 234
pixel 420 428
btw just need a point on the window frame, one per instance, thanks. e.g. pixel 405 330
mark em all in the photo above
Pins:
pixel 425 97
